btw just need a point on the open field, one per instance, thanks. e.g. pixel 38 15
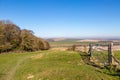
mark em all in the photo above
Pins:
pixel 63 43
pixel 70 42
pixel 50 65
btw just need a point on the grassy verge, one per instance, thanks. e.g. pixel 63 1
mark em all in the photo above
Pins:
pixel 49 65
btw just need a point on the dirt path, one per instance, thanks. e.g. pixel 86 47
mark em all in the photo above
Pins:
pixel 13 69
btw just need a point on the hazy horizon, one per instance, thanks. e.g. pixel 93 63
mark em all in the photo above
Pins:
pixel 94 38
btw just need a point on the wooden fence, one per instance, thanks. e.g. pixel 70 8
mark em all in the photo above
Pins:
pixel 109 48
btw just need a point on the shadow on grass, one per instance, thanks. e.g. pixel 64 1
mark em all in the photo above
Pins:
pixel 86 59
pixel 1 75
pixel 115 73
pixel 108 72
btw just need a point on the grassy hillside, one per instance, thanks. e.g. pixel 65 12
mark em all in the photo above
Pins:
pixel 49 65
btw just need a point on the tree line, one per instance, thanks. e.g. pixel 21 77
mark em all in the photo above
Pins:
pixel 13 38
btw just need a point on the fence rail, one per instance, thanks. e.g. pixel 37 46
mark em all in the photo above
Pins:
pixel 102 53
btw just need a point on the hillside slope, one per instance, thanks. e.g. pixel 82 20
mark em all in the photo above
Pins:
pixel 49 65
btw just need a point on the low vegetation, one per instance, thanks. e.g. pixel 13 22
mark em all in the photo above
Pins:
pixel 13 38
pixel 50 65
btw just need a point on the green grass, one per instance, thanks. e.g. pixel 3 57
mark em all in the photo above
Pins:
pixel 100 56
pixel 49 65
pixel 117 54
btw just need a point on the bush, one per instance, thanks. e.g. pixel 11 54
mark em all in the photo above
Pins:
pixel 12 37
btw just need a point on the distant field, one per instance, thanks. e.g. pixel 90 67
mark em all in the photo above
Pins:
pixel 49 65
pixel 70 42
pixel 66 43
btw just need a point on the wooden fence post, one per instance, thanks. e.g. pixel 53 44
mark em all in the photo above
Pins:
pixel 85 48
pixel 110 54
pixel 73 47
pixel 90 49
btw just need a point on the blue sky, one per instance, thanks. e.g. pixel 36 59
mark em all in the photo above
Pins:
pixel 64 18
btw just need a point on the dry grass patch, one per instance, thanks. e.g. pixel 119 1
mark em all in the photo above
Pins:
pixel 59 49
pixel 38 56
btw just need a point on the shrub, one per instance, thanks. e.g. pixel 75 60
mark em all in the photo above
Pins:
pixel 12 37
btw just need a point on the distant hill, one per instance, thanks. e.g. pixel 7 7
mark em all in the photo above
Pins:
pixel 84 39
pixel 56 39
